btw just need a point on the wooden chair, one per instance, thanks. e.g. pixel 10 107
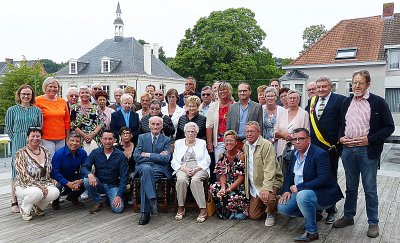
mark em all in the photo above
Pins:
pixel 163 188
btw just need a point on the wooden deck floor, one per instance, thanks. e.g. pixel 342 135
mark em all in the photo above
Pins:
pixel 76 224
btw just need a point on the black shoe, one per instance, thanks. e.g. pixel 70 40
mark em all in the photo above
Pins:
pixel 97 207
pixel 74 200
pixel 307 237
pixel 144 219
pixel 330 218
pixel 56 204
pixel 154 210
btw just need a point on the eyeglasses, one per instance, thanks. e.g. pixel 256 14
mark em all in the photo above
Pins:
pixel 299 139
pixel 229 140
pixel 313 89
pixel 270 96
pixel 358 83
pixel 25 94
pixel 37 128
pixel 251 131
pixel 97 89
pixel 205 94
pixel 158 94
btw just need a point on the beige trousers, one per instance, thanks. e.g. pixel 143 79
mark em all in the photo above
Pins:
pixel 196 186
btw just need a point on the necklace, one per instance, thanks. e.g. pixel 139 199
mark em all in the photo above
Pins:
pixel 37 154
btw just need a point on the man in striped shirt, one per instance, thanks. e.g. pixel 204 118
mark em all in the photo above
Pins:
pixel 366 123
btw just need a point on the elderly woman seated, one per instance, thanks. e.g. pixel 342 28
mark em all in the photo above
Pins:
pixel 33 184
pixel 229 192
pixel 191 163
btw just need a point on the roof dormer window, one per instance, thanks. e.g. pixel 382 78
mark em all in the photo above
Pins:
pixel 346 53
pixel 105 65
pixel 73 67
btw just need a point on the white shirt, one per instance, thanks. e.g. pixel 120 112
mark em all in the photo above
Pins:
pixel 320 100
pixel 252 148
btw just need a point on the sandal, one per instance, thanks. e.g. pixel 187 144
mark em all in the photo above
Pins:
pixel 179 216
pixel 15 207
pixel 201 218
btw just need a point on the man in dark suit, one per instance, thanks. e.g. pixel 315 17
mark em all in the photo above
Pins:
pixel 308 185
pixel 325 120
pixel 152 156
pixel 243 111
pixel 126 117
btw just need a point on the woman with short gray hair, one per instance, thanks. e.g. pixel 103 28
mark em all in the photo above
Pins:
pixel 191 163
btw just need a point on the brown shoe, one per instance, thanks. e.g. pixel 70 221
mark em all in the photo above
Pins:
pixel 97 207
pixel 373 231
pixel 343 222
pixel 75 201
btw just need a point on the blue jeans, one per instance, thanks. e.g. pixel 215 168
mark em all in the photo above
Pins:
pixel 110 190
pixel 355 162
pixel 303 204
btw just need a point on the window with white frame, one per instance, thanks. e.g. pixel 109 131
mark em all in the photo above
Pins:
pixel 286 86
pixel 335 86
pixel 392 97
pixel 346 53
pixel 162 87
pixel 73 68
pixel 105 66
pixel 349 88
pixel 393 59
pixel 122 86
pixel 107 89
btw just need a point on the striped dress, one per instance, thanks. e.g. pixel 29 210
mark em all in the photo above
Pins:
pixel 18 120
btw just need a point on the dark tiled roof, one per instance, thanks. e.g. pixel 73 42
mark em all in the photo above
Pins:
pixel 391 33
pixel 295 74
pixel 130 54
pixel 365 34
pixel 4 68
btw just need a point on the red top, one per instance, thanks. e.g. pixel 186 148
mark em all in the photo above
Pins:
pixel 222 116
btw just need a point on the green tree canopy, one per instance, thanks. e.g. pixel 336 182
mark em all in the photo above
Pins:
pixel 52 67
pixel 311 34
pixel 15 77
pixel 227 45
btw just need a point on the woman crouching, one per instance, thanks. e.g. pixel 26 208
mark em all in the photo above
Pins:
pixel 33 183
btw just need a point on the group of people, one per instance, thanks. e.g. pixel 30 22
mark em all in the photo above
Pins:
pixel 259 157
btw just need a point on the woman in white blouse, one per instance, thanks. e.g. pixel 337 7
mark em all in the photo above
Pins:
pixel 172 109
pixel 294 117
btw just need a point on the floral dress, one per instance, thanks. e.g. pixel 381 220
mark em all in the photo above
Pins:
pixel 86 119
pixel 235 202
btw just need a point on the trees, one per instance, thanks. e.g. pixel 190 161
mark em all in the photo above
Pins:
pixel 311 34
pixel 15 77
pixel 52 67
pixel 227 45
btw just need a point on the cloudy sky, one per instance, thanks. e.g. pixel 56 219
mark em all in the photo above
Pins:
pixel 65 29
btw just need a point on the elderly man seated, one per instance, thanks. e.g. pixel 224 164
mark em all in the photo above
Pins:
pixel 309 185
pixel 66 163
pixel 152 156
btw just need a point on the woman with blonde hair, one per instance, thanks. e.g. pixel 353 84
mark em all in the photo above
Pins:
pixel 56 118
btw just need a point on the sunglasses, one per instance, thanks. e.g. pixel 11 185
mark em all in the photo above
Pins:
pixel 206 94
pixel 158 94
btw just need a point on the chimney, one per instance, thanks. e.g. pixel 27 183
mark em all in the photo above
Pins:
pixel 147 58
pixel 388 9
pixel 9 60
pixel 156 48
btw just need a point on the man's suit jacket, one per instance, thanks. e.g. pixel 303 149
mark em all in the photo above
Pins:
pixel 118 121
pixel 156 159
pixel 329 122
pixel 316 177
pixel 254 113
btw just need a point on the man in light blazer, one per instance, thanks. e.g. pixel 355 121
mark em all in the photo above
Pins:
pixel 243 111
pixel 152 156
pixel 125 117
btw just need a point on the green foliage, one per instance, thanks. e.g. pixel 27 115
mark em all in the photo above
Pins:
pixel 15 77
pixel 311 34
pixel 227 45
pixel 51 67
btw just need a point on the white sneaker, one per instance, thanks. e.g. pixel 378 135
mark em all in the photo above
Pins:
pixel 25 216
pixel 270 220
pixel 85 195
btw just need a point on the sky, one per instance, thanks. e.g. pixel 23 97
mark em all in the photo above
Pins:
pixel 63 29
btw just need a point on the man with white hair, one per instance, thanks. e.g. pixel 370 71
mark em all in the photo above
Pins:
pixel 72 97
pixel 117 96
pixel 152 156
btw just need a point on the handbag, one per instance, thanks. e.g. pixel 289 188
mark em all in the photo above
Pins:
pixel 285 160
pixel 210 205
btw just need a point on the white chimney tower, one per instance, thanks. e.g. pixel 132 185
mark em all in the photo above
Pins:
pixel 147 58
pixel 156 48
